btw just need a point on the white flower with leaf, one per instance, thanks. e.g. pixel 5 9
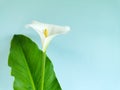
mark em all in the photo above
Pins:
pixel 47 32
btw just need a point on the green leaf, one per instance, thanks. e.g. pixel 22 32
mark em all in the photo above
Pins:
pixel 25 60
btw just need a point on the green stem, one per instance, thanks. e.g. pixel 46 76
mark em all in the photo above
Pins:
pixel 43 70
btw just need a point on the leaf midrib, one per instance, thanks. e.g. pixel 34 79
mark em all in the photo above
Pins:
pixel 29 73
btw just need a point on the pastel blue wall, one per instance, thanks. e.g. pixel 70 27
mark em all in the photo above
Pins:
pixel 87 58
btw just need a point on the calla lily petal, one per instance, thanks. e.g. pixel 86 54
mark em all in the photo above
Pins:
pixel 47 32
pixel 38 29
pixel 46 42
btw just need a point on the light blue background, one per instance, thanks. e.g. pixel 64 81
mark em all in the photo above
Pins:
pixel 87 58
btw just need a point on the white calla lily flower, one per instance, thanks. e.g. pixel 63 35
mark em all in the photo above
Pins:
pixel 47 32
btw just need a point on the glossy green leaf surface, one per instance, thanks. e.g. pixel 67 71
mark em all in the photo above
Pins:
pixel 25 60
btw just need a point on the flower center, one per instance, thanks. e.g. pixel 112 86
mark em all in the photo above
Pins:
pixel 45 32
